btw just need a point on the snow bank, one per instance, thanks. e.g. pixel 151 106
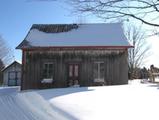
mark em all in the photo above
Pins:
pixel 116 102
pixel 9 90
pixel 125 102
pixel 27 106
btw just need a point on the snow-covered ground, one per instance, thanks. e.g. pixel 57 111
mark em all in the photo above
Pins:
pixel 123 102
pixel 9 90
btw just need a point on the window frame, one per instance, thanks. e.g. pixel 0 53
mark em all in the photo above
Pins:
pixel 16 78
pixel 47 79
pixel 98 78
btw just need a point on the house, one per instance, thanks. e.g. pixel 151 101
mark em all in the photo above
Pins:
pixel 12 74
pixel 63 55
pixel 1 67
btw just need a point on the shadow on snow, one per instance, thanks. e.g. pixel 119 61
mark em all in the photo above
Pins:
pixel 52 93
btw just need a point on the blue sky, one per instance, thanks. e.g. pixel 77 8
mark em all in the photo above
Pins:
pixel 17 16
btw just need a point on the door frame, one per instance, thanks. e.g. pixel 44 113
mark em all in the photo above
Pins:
pixel 68 77
pixel 15 79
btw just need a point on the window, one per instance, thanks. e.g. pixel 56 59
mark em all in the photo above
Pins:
pixel 12 75
pixel 98 72
pixel 73 70
pixel 76 70
pixel 73 76
pixel 47 73
pixel 14 78
pixel 70 70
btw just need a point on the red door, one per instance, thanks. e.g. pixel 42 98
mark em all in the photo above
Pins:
pixel 73 74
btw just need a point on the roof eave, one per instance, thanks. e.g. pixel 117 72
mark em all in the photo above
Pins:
pixel 76 47
pixel 10 65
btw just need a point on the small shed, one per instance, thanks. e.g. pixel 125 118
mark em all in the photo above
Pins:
pixel 68 55
pixel 1 68
pixel 12 74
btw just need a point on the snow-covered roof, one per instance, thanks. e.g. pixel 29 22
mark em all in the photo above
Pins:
pixel 73 35
pixel 15 62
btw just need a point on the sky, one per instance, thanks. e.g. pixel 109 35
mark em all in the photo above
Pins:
pixel 17 16
pixel 153 57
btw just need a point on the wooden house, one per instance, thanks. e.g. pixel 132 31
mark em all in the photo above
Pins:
pixel 64 55
pixel 1 74
pixel 12 74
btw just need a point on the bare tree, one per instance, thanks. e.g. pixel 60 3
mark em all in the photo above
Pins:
pixel 136 36
pixel 146 11
pixel 6 54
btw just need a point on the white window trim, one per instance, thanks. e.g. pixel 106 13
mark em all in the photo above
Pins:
pixel 99 80
pixel 98 74
pixel 47 80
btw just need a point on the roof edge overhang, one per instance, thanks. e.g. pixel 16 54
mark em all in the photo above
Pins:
pixel 75 47
pixel 14 62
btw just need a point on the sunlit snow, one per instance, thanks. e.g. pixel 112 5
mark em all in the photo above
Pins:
pixel 135 101
pixel 85 35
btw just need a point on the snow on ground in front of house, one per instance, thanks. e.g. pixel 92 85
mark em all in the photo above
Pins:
pixel 8 90
pixel 126 102
pixel 26 106
pixel 134 102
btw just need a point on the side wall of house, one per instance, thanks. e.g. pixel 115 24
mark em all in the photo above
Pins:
pixel 115 67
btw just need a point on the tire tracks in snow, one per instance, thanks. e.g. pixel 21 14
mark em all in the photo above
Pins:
pixel 27 106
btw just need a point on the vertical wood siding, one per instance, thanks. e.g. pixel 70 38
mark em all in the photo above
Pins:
pixel 115 67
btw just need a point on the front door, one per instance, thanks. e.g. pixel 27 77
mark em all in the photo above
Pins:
pixel 73 75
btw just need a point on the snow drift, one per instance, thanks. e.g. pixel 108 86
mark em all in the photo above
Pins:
pixel 126 102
